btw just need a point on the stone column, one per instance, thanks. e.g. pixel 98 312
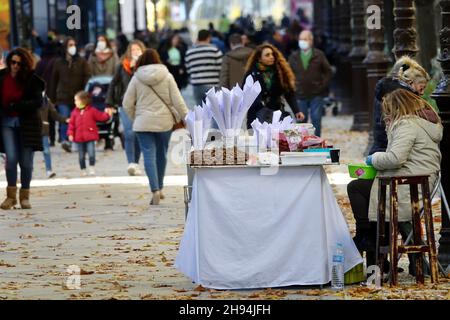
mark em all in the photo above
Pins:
pixel 442 97
pixel 376 60
pixel 389 27
pixel 426 27
pixel 344 64
pixel 335 7
pixel 405 32
pixel 318 23
pixel 328 26
pixel 359 73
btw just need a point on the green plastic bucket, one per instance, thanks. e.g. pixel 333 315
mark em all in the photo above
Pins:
pixel 362 171
pixel 355 275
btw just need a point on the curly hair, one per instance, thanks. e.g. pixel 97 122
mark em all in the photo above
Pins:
pixel 284 71
pixel 27 66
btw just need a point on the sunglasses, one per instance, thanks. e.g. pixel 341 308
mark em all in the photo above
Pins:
pixel 14 62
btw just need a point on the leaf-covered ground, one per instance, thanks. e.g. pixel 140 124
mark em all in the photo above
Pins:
pixel 126 250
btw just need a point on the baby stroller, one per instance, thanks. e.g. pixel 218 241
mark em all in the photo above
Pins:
pixel 98 88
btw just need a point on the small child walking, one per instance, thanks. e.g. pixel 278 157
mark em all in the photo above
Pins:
pixel 83 129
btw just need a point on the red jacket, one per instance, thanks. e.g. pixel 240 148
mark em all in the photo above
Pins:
pixel 83 124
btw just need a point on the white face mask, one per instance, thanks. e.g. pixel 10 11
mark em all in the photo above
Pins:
pixel 101 45
pixel 304 45
pixel 72 51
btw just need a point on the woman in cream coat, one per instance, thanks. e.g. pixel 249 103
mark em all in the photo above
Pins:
pixel 153 102
pixel 414 131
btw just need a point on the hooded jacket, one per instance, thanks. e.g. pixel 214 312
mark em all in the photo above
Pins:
pixel 83 124
pixel 383 87
pixel 147 111
pixel 233 67
pixel 413 149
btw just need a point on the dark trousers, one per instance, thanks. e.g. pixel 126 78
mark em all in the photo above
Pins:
pixel 359 194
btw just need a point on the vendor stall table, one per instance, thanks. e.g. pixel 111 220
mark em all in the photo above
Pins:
pixel 253 227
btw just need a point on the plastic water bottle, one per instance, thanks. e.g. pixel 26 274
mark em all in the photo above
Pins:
pixel 337 271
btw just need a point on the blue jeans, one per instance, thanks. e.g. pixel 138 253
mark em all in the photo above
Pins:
pixel 132 147
pixel 47 155
pixel 65 111
pixel 89 148
pixel 200 92
pixel 17 154
pixel 200 96
pixel 154 146
pixel 316 107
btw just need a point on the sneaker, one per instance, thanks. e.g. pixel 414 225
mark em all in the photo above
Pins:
pixel 67 146
pixel 91 171
pixel 138 171
pixel 84 173
pixel 50 174
pixel 132 169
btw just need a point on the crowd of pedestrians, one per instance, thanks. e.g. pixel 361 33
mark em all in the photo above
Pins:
pixel 146 77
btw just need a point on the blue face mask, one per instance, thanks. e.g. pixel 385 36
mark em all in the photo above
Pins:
pixel 304 45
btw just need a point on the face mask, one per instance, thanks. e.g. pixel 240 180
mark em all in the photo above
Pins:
pixel 101 45
pixel 72 51
pixel 304 45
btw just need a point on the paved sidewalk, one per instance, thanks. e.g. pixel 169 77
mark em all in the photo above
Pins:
pixel 124 247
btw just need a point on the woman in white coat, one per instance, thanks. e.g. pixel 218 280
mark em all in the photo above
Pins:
pixel 154 104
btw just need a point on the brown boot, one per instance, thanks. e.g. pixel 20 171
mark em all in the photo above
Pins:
pixel 24 197
pixel 11 198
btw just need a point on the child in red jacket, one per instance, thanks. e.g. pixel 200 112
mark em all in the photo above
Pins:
pixel 83 129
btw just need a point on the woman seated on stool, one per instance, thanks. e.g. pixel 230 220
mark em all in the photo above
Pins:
pixel 414 132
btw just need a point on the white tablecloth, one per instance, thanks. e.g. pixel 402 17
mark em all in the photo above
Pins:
pixel 245 230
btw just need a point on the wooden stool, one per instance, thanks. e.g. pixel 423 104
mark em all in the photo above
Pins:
pixel 418 247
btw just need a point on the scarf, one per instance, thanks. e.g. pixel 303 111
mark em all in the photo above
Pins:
pixel 126 64
pixel 267 73
pixel 306 57
pixel 82 107
pixel 69 59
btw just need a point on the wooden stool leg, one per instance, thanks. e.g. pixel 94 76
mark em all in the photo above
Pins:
pixel 417 231
pixel 430 231
pixel 381 221
pixel 394 232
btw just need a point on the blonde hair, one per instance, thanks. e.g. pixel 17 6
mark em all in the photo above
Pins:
pixel 85 97
pixel 409 70
pixel 401 103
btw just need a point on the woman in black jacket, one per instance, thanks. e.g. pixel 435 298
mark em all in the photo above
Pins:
pixel 268 66
pixel 20 135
